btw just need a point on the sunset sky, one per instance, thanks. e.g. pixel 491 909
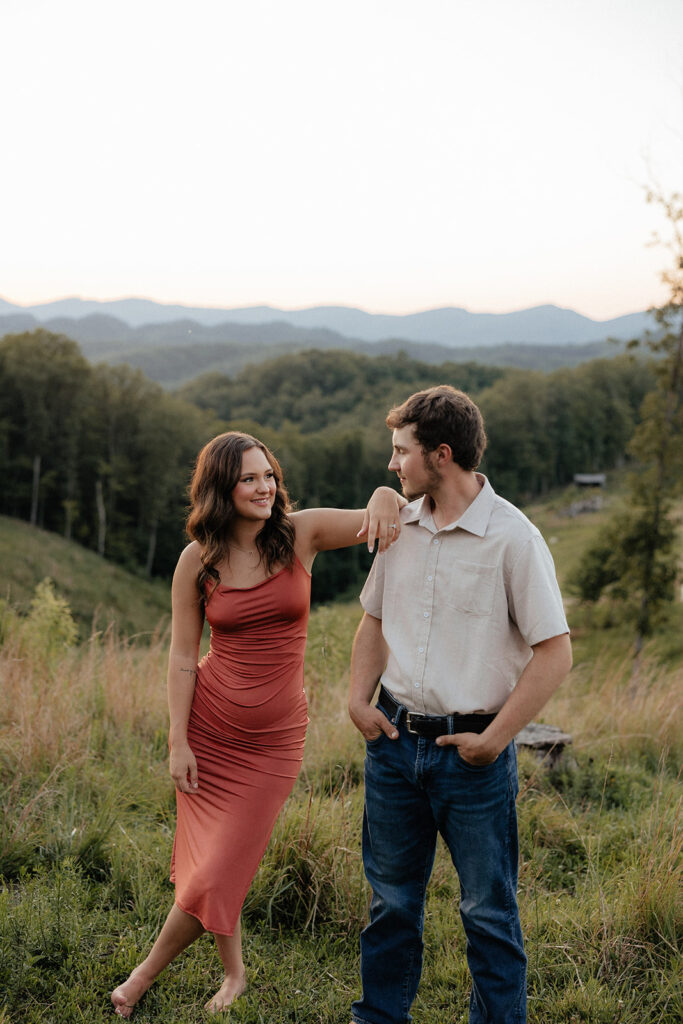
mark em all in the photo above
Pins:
pixel 386 154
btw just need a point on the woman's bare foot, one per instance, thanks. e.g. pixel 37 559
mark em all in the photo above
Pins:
pixel 126 996
pixel 233 986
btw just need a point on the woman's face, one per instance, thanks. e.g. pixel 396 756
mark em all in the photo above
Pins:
pixel 254 493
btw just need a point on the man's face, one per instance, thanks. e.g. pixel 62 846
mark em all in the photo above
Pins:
pixel 416 471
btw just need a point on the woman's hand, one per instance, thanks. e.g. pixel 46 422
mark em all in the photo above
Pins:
pixel 381 521
pixel 183 768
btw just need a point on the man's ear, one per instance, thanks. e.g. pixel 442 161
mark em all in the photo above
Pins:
pixel 444 454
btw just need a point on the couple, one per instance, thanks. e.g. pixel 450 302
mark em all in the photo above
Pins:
pixel 463 630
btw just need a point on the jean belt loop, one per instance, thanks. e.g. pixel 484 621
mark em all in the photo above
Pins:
pixel 451 724
pixel 400 712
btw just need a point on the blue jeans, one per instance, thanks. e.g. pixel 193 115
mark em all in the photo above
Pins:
pixel 415 789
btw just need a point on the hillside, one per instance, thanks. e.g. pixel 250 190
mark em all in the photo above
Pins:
pixel 175 365
pixel 98 591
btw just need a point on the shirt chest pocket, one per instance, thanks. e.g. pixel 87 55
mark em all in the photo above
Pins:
pixel 472 588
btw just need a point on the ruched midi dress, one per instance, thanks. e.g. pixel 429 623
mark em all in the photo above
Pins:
pixel 246 729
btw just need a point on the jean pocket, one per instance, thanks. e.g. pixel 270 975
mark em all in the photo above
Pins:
pixel 376 741
pixel 478 768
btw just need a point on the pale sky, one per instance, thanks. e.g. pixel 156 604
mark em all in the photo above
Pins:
pixel 395 155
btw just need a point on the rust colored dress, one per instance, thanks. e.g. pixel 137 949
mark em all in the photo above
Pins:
pixel 246 729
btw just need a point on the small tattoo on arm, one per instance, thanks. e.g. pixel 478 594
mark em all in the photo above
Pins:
pixel 192 671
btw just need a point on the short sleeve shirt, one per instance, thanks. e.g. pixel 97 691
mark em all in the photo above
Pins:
pixel 462 606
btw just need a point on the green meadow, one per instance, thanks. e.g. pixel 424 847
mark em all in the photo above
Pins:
pixel 87 818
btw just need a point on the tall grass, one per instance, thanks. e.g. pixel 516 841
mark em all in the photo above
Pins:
pixel 87 822
pixel 608 715
pixel 66 703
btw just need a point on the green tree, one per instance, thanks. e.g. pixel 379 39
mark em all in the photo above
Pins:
pixel 43 382
pixel 634 558
pixel 319 390
pixel 170 433
pixel 139 452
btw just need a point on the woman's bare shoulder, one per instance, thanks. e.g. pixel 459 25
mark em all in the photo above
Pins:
pixel 301 519
pixel 186 598
pixel 190 561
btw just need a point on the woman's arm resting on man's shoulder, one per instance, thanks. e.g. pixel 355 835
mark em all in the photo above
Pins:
pixel 186 631
pixel 324 529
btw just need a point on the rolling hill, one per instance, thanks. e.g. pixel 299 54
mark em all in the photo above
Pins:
pixel 99 592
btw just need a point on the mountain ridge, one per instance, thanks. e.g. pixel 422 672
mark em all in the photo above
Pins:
pixel 450 326
pixel 179 351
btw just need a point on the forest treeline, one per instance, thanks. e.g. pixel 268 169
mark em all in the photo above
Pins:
pixel 103 455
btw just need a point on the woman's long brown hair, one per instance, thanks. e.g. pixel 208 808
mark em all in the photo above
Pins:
pixel 212 513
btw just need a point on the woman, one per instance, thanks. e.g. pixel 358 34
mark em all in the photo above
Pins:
pixel 238 719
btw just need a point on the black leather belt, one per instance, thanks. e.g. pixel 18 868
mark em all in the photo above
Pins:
pixel 431 725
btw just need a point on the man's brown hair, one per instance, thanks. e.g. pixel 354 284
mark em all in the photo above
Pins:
pixel 444 415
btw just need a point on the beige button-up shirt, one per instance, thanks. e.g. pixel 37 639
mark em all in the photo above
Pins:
pixel 462 606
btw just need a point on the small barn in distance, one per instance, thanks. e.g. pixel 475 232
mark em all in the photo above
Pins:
pixel 592 502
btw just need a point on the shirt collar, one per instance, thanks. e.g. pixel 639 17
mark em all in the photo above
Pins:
pixel 413 513
pixel 475 518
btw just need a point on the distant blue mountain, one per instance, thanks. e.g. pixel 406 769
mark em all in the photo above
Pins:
pixel 450 326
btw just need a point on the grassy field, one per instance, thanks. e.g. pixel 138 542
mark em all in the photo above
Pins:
pixel 87 817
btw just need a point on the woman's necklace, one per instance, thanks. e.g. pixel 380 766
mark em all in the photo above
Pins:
pixel 245 551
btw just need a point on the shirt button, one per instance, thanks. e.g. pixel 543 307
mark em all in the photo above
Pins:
pixel 435 542
pixel 417 686
pixel 430 578
pixel 426 615
pixel 420 650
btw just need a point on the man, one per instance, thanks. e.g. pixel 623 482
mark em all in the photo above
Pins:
pixel 464 626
